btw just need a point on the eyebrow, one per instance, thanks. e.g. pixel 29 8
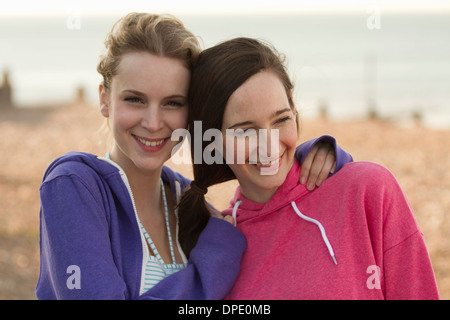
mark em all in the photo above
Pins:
pixel 176 96
pixel 133 92
pixel 275 114
pixel 138 93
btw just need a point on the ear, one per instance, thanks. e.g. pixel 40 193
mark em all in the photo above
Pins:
pixel 104 100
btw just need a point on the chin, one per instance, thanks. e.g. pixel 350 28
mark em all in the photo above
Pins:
pixel 151 163
pixel 267 182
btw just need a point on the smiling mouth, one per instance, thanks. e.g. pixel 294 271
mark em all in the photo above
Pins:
pixel 271 165
pixel 149 143
pixel 268 164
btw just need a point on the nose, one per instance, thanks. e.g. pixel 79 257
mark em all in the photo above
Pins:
pixel 152 118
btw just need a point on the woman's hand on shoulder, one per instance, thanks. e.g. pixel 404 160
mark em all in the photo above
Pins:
pixel 318 164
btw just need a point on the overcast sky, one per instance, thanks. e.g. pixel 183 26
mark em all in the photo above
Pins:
pixel 63 7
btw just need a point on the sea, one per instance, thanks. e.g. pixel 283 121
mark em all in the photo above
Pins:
pixel 396 65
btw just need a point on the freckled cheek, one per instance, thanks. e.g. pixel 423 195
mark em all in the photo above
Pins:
pixel 288 138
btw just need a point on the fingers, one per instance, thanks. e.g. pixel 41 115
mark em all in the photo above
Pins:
pixel 317 165
pixel 330 163
pixel 333 168
pixel 316 176
pixel 307 163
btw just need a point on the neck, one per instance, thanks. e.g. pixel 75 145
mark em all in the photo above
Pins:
pixel 146 187
pixel 145 184
pixel 258 196
pixel 262 192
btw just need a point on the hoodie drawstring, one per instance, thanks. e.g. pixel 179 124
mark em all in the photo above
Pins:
pixel 317 223
pixel 236 206
pixel 322 229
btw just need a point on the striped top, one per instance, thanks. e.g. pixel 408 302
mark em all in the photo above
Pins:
pixel 155 268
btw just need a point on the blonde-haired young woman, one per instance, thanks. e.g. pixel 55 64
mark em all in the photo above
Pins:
pixel 108 225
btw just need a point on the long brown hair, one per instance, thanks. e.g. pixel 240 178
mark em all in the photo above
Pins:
pixel 219 71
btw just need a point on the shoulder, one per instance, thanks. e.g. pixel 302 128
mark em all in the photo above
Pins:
pixel 375 184
pixel 365 166
pixel 364 171
pixel 74 180
pixel 368 178
pixel 81 166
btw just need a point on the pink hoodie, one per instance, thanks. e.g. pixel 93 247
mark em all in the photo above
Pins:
pixel 360 216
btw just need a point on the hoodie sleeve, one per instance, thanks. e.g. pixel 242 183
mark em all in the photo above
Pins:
pixel 75 246
pixel 408 272
pixel 342 157
pixel 213 267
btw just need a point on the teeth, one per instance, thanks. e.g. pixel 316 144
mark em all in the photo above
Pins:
pixel 271 163
pixel 150 143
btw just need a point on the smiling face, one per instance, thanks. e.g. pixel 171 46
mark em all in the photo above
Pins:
pixel 146 102
pixel 261 103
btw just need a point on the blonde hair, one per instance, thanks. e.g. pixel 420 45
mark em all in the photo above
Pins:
pixel 161 35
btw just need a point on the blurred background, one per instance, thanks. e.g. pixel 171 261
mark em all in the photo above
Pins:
pixel 374 74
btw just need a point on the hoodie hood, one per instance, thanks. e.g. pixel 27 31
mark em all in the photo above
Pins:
pixel 290 190
pixel 79 157
pixel 286 195
pixel 107 168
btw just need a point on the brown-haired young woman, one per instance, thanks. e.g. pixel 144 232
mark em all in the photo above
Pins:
pixel 355 237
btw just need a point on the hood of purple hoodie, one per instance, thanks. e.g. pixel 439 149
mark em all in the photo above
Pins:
pixel 105 169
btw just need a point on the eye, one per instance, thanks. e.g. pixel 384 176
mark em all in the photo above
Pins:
pixel 284 119
pixel 134 99
pixel 244 132
pixel 177 104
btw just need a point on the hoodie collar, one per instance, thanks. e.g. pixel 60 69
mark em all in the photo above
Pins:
pixel 289 191
pixel 286 195
pixel 107 168
pixel 176 181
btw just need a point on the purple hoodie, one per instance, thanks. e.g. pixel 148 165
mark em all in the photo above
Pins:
pixel 91 246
